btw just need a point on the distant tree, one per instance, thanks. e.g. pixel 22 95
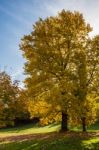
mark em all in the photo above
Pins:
pixel 21 107
pixel 97 107
pixel 87 61
pixel 9 93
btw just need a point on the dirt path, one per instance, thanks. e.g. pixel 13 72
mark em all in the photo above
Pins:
pixel 48 136
pixel 27 137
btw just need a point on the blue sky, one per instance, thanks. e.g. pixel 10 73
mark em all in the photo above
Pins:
pixel 17 18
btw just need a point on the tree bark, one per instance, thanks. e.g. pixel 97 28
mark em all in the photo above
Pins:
pixel 64 123
pixel 84 124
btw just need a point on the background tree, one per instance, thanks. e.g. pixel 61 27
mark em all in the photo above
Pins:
pixel 97 107
pixel 21 108
pixel 87 60
pixel 12 102
pixel 8 95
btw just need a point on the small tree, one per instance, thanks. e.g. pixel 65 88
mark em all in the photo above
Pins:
pixel 8 96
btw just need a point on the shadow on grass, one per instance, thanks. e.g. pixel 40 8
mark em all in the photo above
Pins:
pixel 19 128
pixel 63 143
pixel 94 126
pixel 54 124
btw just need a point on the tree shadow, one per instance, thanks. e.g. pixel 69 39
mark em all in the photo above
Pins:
pixel 73 142
pixel 19 128
pixel 94 127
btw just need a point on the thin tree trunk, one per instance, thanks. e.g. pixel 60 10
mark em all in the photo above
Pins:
pixel 84 124
pixel 64 123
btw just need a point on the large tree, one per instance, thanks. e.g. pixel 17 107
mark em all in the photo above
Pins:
pixel 50 53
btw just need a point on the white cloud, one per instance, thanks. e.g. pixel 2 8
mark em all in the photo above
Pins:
pixel 16 74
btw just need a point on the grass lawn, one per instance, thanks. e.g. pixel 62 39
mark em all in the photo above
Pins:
pixel 32 129
pixel 46 138
pixel 28 129
pixel 55 143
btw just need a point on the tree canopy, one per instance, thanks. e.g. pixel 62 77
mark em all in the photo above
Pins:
pixel 62 65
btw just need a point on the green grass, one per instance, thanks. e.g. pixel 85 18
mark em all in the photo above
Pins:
pixel 28 129
pixel 75 141
pixel 62 143
pixel 92 128
pixel 32 129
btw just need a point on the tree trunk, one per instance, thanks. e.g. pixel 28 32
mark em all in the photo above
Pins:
pixel 64 123
pixel 84 124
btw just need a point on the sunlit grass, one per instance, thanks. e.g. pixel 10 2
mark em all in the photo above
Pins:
pixel 90 141
pixel 62 143
pixel 29 129
pixel 72 142
pixel 33 129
